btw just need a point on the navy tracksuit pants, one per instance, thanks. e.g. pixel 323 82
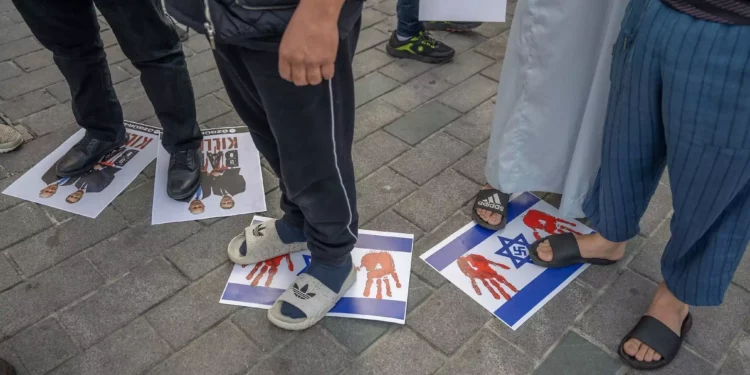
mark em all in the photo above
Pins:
pixel 680 98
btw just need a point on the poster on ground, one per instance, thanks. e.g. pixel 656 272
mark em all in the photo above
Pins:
pixel 383 262
pixel 466 11
pixel 90 192
pixel 231 180
pixel 495 269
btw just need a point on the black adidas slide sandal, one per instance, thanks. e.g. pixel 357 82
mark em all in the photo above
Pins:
pixel 565 252
pixel 492 200
pixel 657 336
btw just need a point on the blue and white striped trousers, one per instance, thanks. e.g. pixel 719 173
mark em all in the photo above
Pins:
pixel 680 97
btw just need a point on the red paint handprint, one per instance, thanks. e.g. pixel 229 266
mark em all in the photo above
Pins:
pixel 379 266
pixel 270 267
pixel 475 266
pixel 540 221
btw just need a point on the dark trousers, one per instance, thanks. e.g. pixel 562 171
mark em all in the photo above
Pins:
pixel 305 134
pixel 680 97
pixel 71 31
pixel 408 18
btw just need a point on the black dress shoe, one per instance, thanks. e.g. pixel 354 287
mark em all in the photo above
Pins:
pixel 85 154
pixel 184 174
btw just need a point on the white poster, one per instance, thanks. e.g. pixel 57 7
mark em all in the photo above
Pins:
pixel 383 262
pixel 231 180
pixel 89 193
pixel 495 269
pixel 466 10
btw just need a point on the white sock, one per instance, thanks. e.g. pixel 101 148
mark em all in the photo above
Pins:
pixel 403 38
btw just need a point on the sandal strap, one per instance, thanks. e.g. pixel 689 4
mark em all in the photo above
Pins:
pixel 492 200
pixel 657 336
pixel 564 246
pixel 310 295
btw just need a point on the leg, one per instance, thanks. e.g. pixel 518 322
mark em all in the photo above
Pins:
pixel 409 24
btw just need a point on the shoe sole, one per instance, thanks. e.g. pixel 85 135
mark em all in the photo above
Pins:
pixel 407 55
pixel 10 146
pixel 84 170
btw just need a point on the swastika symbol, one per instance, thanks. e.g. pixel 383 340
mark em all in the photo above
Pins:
pixel 520 251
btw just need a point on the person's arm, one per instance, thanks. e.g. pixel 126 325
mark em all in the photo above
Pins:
pixel 308 49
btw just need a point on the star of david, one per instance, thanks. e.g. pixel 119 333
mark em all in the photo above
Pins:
pixel 307 263
pixel 516 249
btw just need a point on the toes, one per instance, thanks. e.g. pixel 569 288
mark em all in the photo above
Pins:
pixel 483 214
pixel 657 357
pixel 649 355
pixel 641 355
pixel 495 219
pixel 631 347
pixel 544 251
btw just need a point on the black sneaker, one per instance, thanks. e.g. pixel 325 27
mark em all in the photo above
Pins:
pixel 451 26
pixel 421 47
pixel 183 176
pixel 85 154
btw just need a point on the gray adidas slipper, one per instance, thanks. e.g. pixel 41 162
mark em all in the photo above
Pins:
pixel 312 297
pixel 260 242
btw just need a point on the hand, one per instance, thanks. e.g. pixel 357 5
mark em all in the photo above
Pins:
pixel 308 48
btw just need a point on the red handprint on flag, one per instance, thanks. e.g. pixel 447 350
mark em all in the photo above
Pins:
pixel 270 267
pixel 379 266
pixel 475 266
pixel 541 221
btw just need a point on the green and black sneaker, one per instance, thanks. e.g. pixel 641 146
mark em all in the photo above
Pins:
pixel 421 47
pixel 451 26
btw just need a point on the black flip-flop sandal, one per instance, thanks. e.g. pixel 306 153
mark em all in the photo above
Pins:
pixel 492 200
pixel 565 252
pixel 657 336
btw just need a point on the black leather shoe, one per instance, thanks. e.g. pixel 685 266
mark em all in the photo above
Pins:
pixel 85 154
pixel 184 174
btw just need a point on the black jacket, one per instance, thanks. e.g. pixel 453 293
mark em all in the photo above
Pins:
pixel 252 23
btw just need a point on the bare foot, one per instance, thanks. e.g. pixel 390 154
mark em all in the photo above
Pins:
pixel 489 217
pixel 591 246
pixel 668 310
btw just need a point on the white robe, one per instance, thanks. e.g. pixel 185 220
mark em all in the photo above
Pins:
pixel 552 98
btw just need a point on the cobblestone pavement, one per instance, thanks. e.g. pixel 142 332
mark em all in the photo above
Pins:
pixel 116 295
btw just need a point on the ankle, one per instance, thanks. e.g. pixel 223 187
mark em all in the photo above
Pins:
pixel 289 233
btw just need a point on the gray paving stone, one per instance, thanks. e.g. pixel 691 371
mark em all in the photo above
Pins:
pixel 131 350
pixel 387 7
pixel 371 16
pixel 422 122
pixel 545 327
pixel 418 292
pixel 198 43
pixel 714 328
pixel 369 61
pixel 193 310
pixel 223 96
pixel 617 311
pixel 35 60
pixel 237 354
pixel 437 200
pixel 373 152
pixel 139 110
pixel 255 323
pixel 27 156
pixel 207 249
pixel 417 91
pixel 474 127
pixel 18 48
pixel 26 83
pixel 230 119
pixel 209 107
pixel 488 354
pixel 685 363
pixel 473 164
pixel 469 93
pixel 665 178
pixel 27 104
pixel 404 70
pixel 7 353
pixel 38 296
pixel 420 267
pixel 201 62
pixel 400 353
pixel 369 38
pixel 461 42
pixel 379 191
pixel 463 66
pixel 658 210
pixel 60 91
pixel 648 260
pixel 430 157
pixel 270 181
pixel 511 7
pixel 311 353
pixel 372 86
pixel 129 90
pixel 738 361
pixel 122 301
pixel 493 71
pixel 114 54
pixel 495 47
pixel 490 29
pixel 448 319
pixel 576 355
pixel 355 334
pixel 9 70
pixel 21 222
pixel 49 120
pixel 135 204
pixel 742 275
pixel 599 277
pixel 206 83
pixel 8 274
pixel 43 346
pixel 389 221
pixel 373 116
pixel 58 243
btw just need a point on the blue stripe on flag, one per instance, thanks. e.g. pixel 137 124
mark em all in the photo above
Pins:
pixel 538 289
pixel 382 242
pixel 474 236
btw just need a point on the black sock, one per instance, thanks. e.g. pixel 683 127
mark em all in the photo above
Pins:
pixel 331 274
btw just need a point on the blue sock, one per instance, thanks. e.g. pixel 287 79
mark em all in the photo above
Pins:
pixel 287 233
pixel 331 275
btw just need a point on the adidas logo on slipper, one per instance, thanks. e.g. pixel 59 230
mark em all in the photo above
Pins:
pixel 492 202
pixel 301 293
pixel 258 231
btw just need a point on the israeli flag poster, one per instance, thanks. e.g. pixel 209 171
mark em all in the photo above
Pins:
pixel 495 269
pixel 383 262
